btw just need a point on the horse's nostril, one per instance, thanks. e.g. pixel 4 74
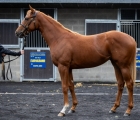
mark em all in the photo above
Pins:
pixel 16 33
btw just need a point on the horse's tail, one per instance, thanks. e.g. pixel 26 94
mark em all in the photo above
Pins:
pixel 133 67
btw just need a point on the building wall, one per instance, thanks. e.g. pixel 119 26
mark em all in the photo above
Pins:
pixel 74 19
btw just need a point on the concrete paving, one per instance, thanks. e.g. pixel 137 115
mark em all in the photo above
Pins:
pixel 44 100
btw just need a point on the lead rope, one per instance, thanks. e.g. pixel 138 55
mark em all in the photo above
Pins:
pixel 9 68
pixel 3 70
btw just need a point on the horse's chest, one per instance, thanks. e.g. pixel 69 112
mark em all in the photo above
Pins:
pixel 54 60
pixel 63 59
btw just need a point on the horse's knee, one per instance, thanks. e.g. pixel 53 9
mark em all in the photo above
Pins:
pixel 130 84
pixel 71 88
pixel 120 86
pixel 65 89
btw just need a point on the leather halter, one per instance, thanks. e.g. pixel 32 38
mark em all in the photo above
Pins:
pixel 25 31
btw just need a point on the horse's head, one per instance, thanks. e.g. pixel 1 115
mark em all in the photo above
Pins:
pixel 28 24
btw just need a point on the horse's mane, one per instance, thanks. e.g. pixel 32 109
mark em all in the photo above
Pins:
pixel 58 23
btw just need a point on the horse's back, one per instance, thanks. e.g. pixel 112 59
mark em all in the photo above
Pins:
pixel 120 37
pixel 120 40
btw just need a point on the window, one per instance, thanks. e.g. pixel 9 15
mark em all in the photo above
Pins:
pixel 7 33
pixel 99 26
pixel 127 14
pixel 9 21
pixel 138 14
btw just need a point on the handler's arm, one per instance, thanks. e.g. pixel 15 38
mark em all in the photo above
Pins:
pixel 8 52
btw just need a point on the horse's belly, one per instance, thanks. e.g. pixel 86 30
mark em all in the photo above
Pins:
pixel 88 62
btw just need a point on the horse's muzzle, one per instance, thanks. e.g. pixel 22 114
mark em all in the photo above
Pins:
pixel 21 34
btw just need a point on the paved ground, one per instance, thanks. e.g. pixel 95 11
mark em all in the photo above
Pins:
pixel 44 100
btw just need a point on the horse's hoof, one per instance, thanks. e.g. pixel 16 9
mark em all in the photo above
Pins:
pixel 61 114
pixel 126 114
pixel 71 111
pixel 111 111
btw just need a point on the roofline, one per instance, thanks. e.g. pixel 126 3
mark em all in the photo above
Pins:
pixel 71 1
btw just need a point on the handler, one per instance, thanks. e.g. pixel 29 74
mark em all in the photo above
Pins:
pixel 4 52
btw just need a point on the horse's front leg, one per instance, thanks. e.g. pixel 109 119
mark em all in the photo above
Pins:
pixel 64 73
pixel 71 88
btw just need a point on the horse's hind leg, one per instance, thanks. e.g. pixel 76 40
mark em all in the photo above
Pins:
pixel 71 88
pixel 129 84
pixel 121 83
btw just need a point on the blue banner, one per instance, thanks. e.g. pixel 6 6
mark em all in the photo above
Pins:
pixel 37 59
pixel 138 60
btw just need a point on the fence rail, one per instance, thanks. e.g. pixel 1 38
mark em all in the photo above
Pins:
pixel 133 29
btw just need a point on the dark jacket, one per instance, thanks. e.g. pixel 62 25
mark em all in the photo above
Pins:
pixel 7 52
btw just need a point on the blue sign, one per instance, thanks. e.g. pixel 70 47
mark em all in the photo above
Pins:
pixel 138 60
pixel 37 60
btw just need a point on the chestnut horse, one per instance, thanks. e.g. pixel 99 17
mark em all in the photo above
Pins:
pixel 70 50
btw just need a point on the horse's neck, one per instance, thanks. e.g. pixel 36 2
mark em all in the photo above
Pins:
pixel 50 29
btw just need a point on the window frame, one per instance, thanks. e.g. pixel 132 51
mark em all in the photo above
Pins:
pixel 101 21
pixel 11 21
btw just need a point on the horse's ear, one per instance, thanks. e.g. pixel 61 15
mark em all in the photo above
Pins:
pixel 32 9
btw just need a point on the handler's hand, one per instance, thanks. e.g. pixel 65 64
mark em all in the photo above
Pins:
pixel 3 55
pixel 22 52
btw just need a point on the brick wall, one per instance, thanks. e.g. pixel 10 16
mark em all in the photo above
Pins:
pixel 74 19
